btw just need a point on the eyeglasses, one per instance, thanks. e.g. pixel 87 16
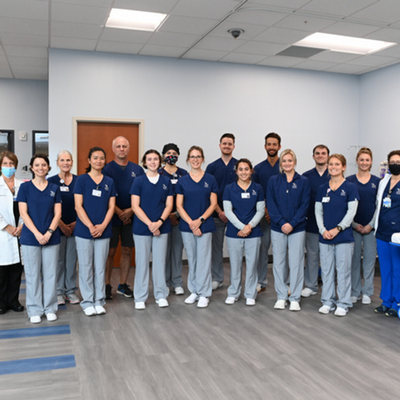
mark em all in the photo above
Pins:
pixel 195 157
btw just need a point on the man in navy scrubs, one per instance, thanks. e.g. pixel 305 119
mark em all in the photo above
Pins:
pixel 224 173
pixel 123 172
pixel 262 172
pixel 317 177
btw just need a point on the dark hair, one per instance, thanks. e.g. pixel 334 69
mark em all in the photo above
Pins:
pixel 170 146
pixel 198 148
pixel 39 155
pixel 91 151
pixel 11 156
pixel 273 135
pixel 393 153
pixel 320 146
pixel 227 135
pixel 340 157
pixel 151 151
pixel 244 160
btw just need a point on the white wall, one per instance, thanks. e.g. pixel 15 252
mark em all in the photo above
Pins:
pixel 23 107
pixel 379 110
pixel 194 102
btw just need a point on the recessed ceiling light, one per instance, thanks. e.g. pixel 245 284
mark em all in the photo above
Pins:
pixel 343 44
pixel 136 20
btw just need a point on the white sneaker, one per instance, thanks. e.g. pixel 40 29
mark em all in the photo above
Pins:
pixel 179 291
pixel 366 299
pixel 340 312
pixel 325 309
pixel 90 311
pixel 294 306
pixel 192 299
pixel 250 302
pixel 307 292
pixel 36 319
pixel 216 285
pixel 100 310
pixel 60 300
pixel 203 302
pixel 230 300
pixel 140 305
pixel 51 317
pixel 162 303
pixel 354 299
pixel 280 305
pixel 260 288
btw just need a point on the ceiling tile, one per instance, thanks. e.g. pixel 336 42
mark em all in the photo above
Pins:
pixel 334 56
pixel 372 61
pixel 208 55
pixel 25 9
pixel 119 47
pixel 162 51
pixel 160 6
pixel 25 51
pixel 347 69
pixel 173 39
pixel 24 25
pixel 279 35
pixel 350 29
pixel 218 43
pixel 5 72
pixel 21 39
pixel 287 4
pixel 98 3
pixel 205 8
pixel 72 43
pixel 315 65
pixel 68 29
pixel 242 58
pixel 280 61
pixel 258 17
pixel 261 48
pixel 125 35
pixel 340 8
pixel 386 34
pixel 309 24
pixel 79 14
pixel 393 51
pixel 250 31
pixel 29 61
pixel 383 11
pixel 178 24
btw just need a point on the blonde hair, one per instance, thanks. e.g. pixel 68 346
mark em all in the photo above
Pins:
pixel 284 153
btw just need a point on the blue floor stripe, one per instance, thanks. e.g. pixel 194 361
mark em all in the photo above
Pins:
pixel 37 364
pixel 62 307
pixel 22 291
pixel 33 332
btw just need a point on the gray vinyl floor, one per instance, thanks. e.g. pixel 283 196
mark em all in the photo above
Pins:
pixel 222 352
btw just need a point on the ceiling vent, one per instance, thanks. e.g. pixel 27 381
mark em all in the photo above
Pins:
pixel 299 52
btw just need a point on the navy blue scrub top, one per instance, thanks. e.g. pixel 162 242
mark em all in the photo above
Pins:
pixel 41 211
pixel 263 172
pixel 174 180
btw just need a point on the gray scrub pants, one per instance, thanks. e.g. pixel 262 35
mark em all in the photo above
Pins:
pixel 263 258
pixel 198 250
pixel 367 245
pixel 336 257
pixel 312 261
pixel 251 248
pixel 289 247
pixel 144 247
pixel 173 270
pixel 92 256
pixel 66 266
pixel 217 258
pixel 40 262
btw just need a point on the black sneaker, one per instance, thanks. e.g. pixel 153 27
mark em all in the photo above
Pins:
pixel 108 292
pixel 381 309
pixel 391 313
pixel 124 290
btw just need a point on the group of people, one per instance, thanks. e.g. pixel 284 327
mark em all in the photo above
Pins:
pixel 336 221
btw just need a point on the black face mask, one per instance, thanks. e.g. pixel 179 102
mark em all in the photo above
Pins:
pixel 394 169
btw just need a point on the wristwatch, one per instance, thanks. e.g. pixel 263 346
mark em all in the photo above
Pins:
pixel 50 230
pixel 339 228
pixel 202 220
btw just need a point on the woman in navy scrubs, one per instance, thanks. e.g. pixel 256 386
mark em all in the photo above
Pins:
pixel 386 224
pixel 335 208
pixel 94 203
pixel 40 209
pixel 288 197
pixel 173 272
pixel 244 207
pixel 196 201
pixel 66 267
pixel 364 235
pixel 152 199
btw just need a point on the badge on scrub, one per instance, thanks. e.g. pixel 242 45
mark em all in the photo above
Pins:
pixel 326 199
pixel 96 193
pixel 387 202
pixel 174 181
pixel 245 195
pixel 64 188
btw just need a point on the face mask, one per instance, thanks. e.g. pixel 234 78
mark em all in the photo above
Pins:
pixel 171 160
pixel 394 169
pixel 7 171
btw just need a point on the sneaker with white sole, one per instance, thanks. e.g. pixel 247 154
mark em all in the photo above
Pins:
pixel 51 317
pixel 280 305
pixel 354 299
pixel 140 305
pixel 124 290
pixel 325 309
pixel 230 300
pixel 216 285
pixel 179 291
pixel 203 302
pixel 100 310
pixel 250 302
pixel 90 311
pixel 294 306
pixel 60 300
pixel 340 312
pixel 366 299
pixel 72 298
pixel 36 319
pixel 192 299
pixel 162 303
pixel 307 292
pixel 260 288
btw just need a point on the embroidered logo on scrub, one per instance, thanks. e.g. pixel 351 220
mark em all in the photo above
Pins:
pixel 373 185
pixel 133 175
pixel 205 184
pixel 164 186
pixel 294 186
pixel 254 193
pixel 52 194
pixel 106 187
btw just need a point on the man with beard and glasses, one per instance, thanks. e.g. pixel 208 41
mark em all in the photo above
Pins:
pixel 224 173
pixel 262 173
pixel 317 177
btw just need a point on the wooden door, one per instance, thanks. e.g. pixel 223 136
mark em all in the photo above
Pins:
pixel 91 134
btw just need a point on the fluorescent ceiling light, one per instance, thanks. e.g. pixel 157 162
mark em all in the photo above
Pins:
pixel 136 20
pixel 343 44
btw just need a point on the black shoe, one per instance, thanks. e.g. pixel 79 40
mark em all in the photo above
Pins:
pixel 391 312
pixel 108 292
pixel 16 307
pixel 3 310
pixel 381 309
pixel 124 290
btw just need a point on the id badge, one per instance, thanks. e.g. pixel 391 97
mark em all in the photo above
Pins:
pixel 64 188
pixel 326 199
pixel 96 193
pixel 387 202
pixel 245 195
pixel 174 181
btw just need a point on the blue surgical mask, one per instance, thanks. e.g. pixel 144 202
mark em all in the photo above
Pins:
pixel 8 172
